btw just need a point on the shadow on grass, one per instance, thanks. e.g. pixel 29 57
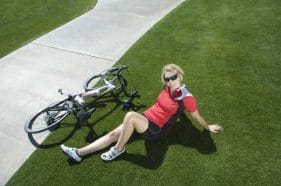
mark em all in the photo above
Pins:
pixel 183 133
pixel 52 141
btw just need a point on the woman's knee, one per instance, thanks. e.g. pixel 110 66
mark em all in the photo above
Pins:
pixel 136 120
pixel 129 116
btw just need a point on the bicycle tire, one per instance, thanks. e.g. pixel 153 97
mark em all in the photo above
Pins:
pixel 95 82
pixel 52 116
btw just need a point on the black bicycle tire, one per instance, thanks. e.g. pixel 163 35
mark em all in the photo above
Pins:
pixel 121 79
pixel 31 120
pixel 88 81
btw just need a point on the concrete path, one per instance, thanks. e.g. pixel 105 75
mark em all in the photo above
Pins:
pixel 64 58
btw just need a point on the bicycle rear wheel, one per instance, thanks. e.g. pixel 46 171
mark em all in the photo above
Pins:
pixel 97 81
pixel 47 118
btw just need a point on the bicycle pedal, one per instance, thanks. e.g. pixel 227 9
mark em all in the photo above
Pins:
pixel 127 105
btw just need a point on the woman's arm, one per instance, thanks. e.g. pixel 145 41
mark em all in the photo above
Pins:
pixel 213 128
pixel 191 106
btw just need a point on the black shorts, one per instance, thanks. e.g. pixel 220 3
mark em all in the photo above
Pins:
pixel 152 132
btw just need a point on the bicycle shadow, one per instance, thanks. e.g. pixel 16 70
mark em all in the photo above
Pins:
pixel 183 133
pixel 92 135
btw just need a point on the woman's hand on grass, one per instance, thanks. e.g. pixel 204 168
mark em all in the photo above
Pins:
pixel 215 128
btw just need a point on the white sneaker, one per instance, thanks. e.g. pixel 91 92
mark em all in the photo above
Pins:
pixel 79 100
pixel 71 152
pixel 111 154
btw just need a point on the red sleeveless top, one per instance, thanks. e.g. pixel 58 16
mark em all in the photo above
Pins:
pixel 167 105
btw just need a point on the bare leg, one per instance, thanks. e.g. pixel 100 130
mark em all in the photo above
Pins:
pixel 102 142
pixel 132 121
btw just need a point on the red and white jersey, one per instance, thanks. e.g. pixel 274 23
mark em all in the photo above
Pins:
pixel 167 105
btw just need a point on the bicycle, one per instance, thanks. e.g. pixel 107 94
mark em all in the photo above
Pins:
pixel 109 81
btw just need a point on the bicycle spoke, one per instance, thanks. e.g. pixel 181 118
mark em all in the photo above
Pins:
pixel 46 119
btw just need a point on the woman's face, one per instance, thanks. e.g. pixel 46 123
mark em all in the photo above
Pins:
pixel 172 79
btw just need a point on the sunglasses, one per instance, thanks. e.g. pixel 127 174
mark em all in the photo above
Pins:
pixel 173 78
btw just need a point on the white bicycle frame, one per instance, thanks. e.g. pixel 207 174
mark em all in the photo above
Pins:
pixel 107 87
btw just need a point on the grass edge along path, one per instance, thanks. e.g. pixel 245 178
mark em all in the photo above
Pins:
pixel 23 21
pixel 230 51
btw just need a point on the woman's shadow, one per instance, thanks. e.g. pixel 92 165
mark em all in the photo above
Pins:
pixel 183 133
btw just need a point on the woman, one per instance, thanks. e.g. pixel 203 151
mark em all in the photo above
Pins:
pixel 153 123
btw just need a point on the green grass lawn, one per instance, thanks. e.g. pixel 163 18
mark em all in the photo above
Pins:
pixel 230 51
pixel 25 20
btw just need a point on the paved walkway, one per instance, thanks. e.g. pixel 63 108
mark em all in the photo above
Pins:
pixel 64 58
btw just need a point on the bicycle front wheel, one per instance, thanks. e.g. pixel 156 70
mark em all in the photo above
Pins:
pixel 47 118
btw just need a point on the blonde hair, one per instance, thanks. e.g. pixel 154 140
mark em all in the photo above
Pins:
pixel 172 68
